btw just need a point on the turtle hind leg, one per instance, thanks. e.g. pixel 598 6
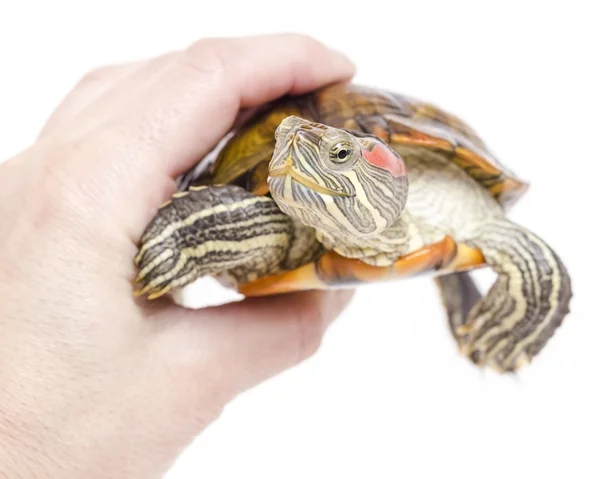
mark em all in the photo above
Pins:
pixel 459 295
pixel 525 305
pixel 211 230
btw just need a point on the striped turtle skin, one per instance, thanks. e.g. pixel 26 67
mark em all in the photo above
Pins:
pixel 349 185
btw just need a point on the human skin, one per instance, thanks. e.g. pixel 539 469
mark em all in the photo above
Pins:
pixel 95 382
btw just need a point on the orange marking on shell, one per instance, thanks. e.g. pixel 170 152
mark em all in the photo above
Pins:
pixel 334 271
pixel 509 185
pixel 300 279
pixel 257 179
pixel 437 255
pixel 421 140
pixel 509 192
pixel 385 158
pixel 477 160
pixel 381 133
pixel 261 189
pixel 466 258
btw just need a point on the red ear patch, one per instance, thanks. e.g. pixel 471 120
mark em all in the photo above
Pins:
pixel 382 157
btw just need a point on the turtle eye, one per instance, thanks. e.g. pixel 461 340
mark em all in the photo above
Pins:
pixel 341 152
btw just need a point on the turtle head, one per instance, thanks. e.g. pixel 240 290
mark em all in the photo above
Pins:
pixel 336 181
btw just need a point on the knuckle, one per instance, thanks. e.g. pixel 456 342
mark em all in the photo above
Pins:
pixel 97 74
pixel 303 44
pixel 205 57
pixel 161 61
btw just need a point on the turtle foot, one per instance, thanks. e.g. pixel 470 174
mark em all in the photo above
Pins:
pixel 210 231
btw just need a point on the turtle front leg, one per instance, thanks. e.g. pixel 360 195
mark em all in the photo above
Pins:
pixel 523 308
pixel 213 230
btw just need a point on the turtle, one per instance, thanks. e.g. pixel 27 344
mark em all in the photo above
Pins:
pixel 351 184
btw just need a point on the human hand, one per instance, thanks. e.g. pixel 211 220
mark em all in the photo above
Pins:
pixel 94 382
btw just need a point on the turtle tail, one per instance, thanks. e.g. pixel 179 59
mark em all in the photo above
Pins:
pixel 526 304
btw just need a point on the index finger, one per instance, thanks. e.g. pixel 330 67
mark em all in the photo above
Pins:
pixel 185 110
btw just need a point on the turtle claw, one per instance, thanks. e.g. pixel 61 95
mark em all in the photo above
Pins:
pixel 463 330
pixel 154 278
pixel 493 349
pixel 163 271
pixel 150 293
pixel 160 293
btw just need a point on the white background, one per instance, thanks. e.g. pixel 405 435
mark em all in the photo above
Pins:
pixel 388 395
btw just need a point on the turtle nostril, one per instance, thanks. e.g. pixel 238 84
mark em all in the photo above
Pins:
pixel 302 135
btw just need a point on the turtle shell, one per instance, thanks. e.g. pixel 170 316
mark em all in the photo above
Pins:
pixel 397 119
